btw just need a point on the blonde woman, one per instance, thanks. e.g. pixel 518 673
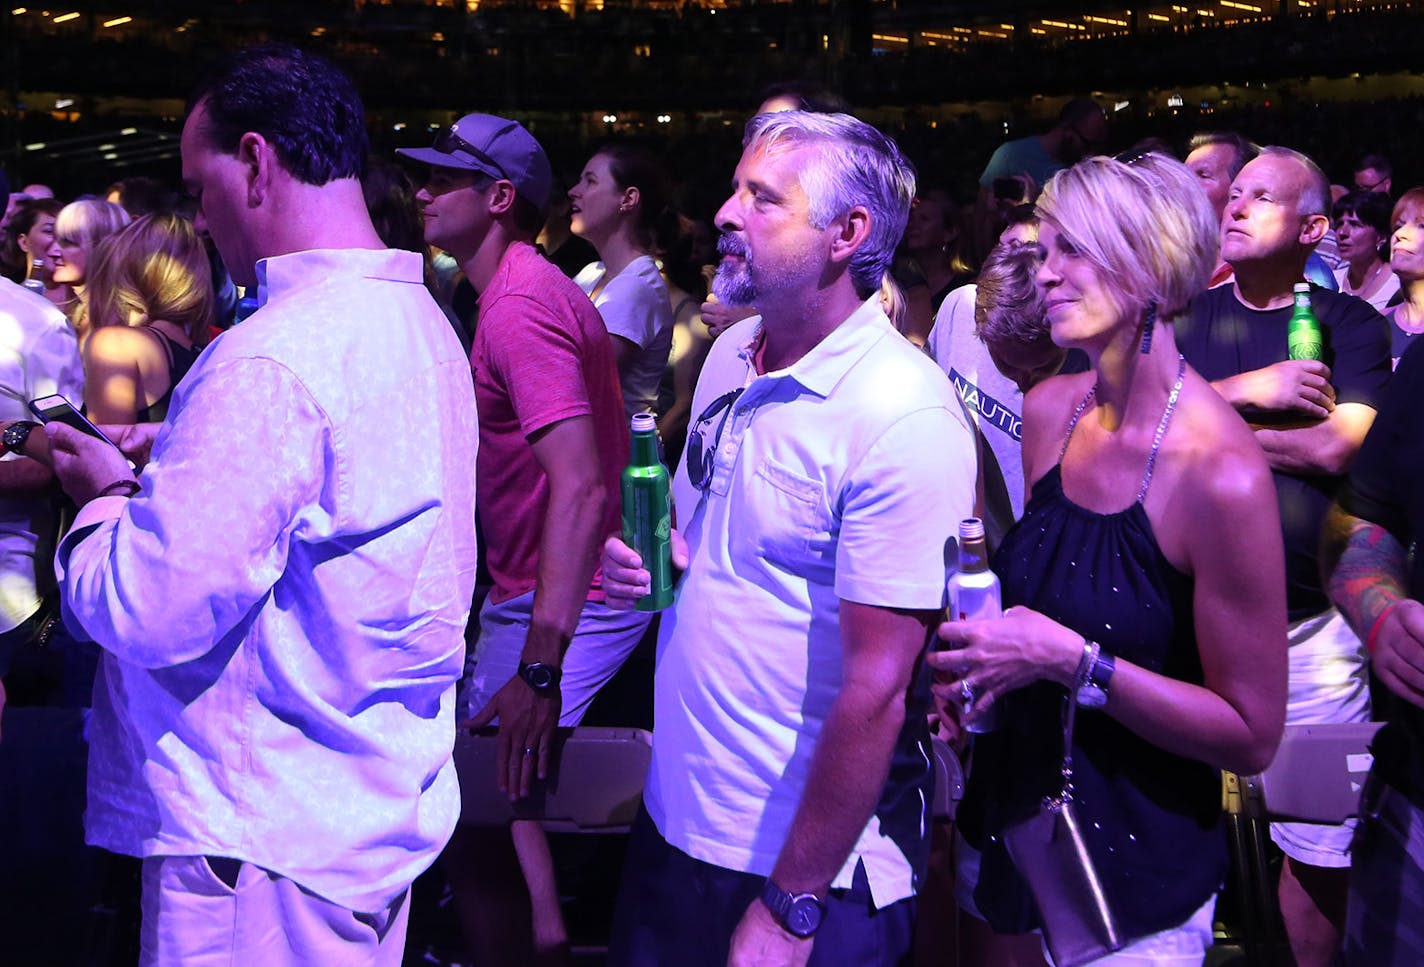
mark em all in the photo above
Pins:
pixel 1146 577
pixel 79 227
pixel 150 301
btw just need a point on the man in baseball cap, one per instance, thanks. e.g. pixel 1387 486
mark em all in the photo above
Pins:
pixel 553 443
pixel 496 147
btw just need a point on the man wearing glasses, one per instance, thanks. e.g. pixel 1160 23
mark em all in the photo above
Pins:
pixel 553 443
pixel 786 805
pixel 1374 173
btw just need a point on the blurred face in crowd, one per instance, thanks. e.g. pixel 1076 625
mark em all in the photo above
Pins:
pixel 1371 179
pixel 1406 246
pixel 1211 163
pixel 1084 136
pixel 596 202
pixel 39 243
pixel 455 210
pixel 71 260
pixel 219 183
pixel 1359 243
pixel 768 245
pixel 926 227
pixel 1263 220
pixel 1077 300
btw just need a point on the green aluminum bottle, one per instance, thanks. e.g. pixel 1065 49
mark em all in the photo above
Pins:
pixel 647 512
pixel 1304 337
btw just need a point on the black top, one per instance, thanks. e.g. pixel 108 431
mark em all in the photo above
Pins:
pixel 1222 338
pixel 180 360
pixel 1151 819
pixel 1385 489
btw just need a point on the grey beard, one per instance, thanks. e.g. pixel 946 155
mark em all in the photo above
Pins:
pixel 733 286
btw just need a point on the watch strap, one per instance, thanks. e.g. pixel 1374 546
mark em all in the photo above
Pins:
pixel 799 914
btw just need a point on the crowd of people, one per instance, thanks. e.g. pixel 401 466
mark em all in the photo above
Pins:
pixel 355 485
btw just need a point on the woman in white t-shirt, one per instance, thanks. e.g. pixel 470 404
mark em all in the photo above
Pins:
pixel 617 205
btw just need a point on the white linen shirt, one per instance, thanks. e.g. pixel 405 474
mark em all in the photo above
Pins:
pixel 39 356
pixel 841 477
pixel 282 607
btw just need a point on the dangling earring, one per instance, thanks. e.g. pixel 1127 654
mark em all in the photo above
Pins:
pixel 1147 326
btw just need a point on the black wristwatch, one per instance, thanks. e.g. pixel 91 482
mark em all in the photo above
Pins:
pixel 540 676
pixel 16 434
pixel 800 914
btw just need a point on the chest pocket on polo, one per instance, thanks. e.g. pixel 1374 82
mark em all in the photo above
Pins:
pixel 794 522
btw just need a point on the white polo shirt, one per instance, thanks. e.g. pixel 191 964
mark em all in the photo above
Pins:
pixel 841 477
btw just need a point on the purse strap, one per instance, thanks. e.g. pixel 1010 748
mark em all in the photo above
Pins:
pixel 1091 650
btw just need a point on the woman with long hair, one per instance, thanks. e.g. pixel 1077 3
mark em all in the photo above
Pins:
pixel 150 298
pixel 1145 580
pixel 619 206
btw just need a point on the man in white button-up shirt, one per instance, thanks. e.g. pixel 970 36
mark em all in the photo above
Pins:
pixel 787 803
pixel 281 596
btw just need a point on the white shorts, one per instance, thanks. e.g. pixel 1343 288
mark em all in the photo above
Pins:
pixel 602 642
pixel 194 918
pixel 1329 684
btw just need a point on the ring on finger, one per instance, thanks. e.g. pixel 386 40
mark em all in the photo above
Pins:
pixel 528 752
pixel 966 692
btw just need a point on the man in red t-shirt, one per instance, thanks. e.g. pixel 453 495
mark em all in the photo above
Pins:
pixel 552 445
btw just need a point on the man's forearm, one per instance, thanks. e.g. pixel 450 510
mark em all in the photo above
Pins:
pixel 1327 447
pixel 568 554
pixel 845 782
pixel 1370 576
pixel 24 476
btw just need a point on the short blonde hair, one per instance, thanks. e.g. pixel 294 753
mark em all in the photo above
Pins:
pixel 1146 225
pixel 155 269
pixel 89 221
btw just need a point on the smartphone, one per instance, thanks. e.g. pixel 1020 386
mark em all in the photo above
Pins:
pixel 57 409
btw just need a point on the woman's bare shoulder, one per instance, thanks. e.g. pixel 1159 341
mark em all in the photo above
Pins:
pixel 1224 464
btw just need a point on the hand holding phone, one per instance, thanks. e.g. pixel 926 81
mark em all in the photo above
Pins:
pixel 57 409
pixel 86 462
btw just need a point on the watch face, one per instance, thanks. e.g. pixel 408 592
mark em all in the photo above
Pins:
pixel 804 916
pixel 1091 696
pixel 540 677
pixel 15 435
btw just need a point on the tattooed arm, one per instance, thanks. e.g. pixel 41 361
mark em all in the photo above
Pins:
pixel 1367 583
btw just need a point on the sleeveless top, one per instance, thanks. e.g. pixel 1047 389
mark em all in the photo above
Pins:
pixel 1151 820
pixel 180 360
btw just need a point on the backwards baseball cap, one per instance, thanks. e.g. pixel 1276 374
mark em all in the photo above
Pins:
pixel 493 146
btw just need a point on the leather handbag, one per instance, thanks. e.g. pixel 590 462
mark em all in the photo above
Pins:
pixel 1049 852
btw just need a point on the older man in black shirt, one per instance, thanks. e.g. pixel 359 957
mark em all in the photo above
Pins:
pixel 1310 418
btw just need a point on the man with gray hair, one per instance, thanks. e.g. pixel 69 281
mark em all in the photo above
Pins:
pixel 1310 418
pixel 787 803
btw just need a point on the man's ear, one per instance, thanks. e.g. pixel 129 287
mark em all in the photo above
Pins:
pixel 500 197
pixel 1313 229
pixel 852 229
pixel 259 160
